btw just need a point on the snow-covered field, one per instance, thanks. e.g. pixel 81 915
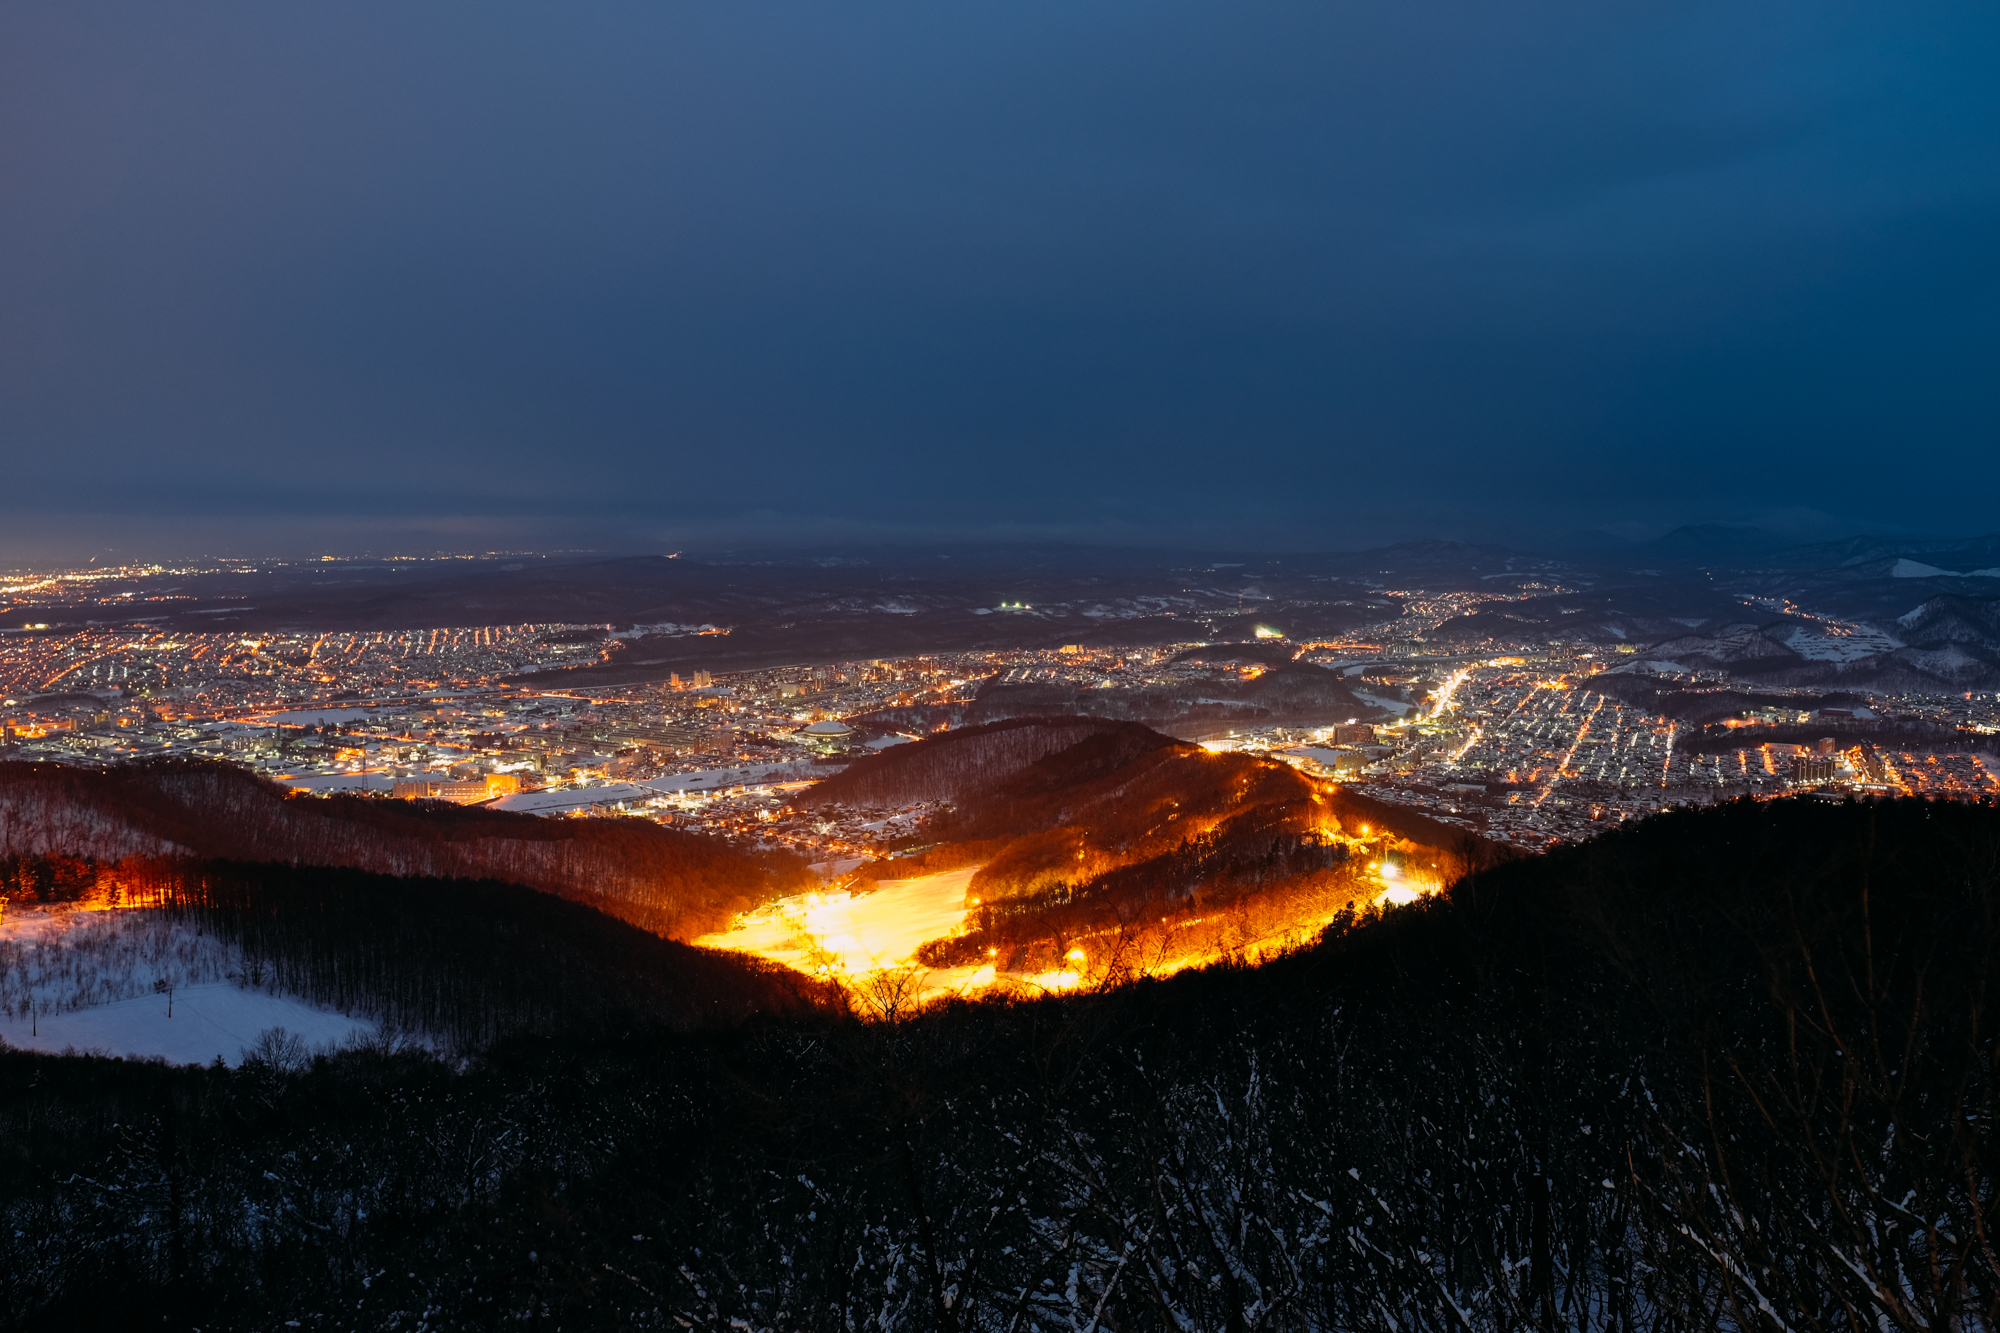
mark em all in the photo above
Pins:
pixel 750 775
pixel 57 959
pixel 219 1020
pixel 572 798
pixel 96 981
pixel 1839 642
pixel 1383 702
pixel 858 936
pixel 854 932
pixel 1907 568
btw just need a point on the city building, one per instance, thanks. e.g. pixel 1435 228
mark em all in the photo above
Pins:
pixel 462 791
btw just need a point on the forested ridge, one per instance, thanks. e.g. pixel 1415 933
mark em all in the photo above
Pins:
pixel 1728 1068
pixel 671 883
pixel 453 964
pixel 1136 849
pixel 952 765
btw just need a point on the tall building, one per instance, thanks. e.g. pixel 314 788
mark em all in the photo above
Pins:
pixel 1871 765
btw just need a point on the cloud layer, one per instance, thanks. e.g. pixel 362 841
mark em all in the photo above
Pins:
pixel 1288 271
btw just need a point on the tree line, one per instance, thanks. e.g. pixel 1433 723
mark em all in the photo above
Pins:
pixel 952 765
pixel 663 880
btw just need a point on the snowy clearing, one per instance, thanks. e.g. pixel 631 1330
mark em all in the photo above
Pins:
pixel 857 933
pixel 1839 643
pixel 219 1020
pixel 1907 568
pixel 89 980
pixel 864 938
pixel 55 959
pixel 1387 705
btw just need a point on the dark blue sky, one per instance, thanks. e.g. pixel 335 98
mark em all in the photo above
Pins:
pixel 1309 273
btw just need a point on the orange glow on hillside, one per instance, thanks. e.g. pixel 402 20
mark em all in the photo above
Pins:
pixel 874 943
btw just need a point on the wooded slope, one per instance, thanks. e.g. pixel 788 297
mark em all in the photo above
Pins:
pixel 949 766
pixel 668 882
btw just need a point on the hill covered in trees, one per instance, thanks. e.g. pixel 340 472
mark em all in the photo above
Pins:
pixel 953 764
pixel 1729 1068
pixel 1130 848
pixel 671 883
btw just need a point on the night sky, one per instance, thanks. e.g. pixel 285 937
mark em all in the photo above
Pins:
pixel 1311 274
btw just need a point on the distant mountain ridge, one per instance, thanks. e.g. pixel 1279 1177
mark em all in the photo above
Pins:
pixel 1712 541
pixel 1947 644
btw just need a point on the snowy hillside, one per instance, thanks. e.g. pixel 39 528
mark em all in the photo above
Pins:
pixel 139 983
pixel 220 1021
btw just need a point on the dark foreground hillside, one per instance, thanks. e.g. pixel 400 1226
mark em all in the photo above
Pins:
pixel 1731 1068
pixel 659 879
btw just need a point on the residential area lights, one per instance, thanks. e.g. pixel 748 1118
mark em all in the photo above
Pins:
pixel 1527 747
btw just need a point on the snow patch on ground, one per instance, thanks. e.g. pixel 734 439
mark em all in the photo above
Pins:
pixel 88 980
pixel 852 933
pixel 1907 568
pixel 1948 661
pixel 1396 706
pixel 573 798
pixel 219 1020
pixel 750 775
pixel 1302 756
pixel 1851 646
pixel 54 959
